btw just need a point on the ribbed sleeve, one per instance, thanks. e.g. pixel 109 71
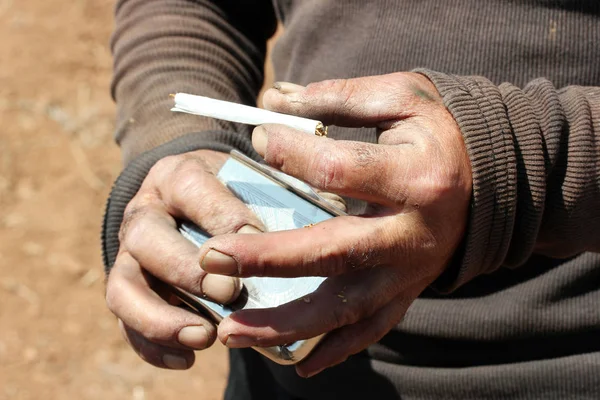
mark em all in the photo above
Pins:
pixel 213 48
pixel 534 153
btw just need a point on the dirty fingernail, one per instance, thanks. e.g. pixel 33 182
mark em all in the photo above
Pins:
pixel 259 140
pixel 219 263
pixel 249 229
pixel 287 87
pixel 174 362
pixel 236 341
pixel 195 337
pixel 222 289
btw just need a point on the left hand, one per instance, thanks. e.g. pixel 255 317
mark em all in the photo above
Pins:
pixel 417 180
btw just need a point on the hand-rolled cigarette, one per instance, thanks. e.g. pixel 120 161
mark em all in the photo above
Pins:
pixel 225 110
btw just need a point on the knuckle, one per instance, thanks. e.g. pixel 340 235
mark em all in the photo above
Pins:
pixel 366 155
pixel 144 199
pixel 318 88
pixel 328 261
pixel 185 183
pixel 261 265
pixel 369 257
pixel 329 86
pixel 136 209
pixel 225 215
pixel 163 166
pixel 438 186
pixel 183 274
pixel 429 242
pixel 111 300
pixel 137 228
pixel 328 167
pixel 114 290
pixel 346 90
pixel 131 209
pixel 399 193
pixel 343 315
pixel 429 147
pixel 339 94
pixel 193 163
pixel 446 176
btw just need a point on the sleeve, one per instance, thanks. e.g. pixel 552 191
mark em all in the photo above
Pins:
pixel 212 48
pixel 535 157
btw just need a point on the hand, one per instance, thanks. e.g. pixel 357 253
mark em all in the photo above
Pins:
pixel 152 251
pixel 417 180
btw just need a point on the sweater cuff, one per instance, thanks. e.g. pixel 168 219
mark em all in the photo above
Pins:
pixel 477 106
pixel 128 183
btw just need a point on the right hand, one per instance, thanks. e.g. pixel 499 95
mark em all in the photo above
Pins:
pixel 152 251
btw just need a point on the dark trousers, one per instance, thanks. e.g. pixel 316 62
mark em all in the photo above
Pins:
pixel 250 378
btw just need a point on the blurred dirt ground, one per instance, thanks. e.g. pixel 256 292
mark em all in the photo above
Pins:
pixel 57 162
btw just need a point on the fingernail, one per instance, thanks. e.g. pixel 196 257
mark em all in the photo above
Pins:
pixel 223 289
pixel 174 362
pixel 259 140
pixel 195 337
pixel 287 87
pixel 236 341
pixel 219 263
pixel 249 229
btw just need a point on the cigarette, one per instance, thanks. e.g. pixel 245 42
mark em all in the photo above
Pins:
pixel 233 112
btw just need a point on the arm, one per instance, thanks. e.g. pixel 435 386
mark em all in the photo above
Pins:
pixel 213 48
pixel 161 47
pixel 535 154
pixel 164 46
pixel 499 171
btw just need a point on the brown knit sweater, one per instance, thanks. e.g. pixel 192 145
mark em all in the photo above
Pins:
pixel 520 313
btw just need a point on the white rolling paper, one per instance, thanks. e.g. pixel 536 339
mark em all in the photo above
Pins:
pixel 207 107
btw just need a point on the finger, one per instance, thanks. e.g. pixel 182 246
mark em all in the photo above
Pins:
pixel 328 248
pixel 130 297
pixel 152 239
pixel 334 200
pixel 357 102
pixel 189 192
pixel 339 301
pixel 339 205
pixel 155 354
pixel 370 172
pixel 337 346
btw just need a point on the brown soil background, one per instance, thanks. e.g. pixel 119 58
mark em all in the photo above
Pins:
pixel 57 163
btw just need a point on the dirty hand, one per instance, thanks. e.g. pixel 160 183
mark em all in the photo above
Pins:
pixel 417 180
pixel 152 251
